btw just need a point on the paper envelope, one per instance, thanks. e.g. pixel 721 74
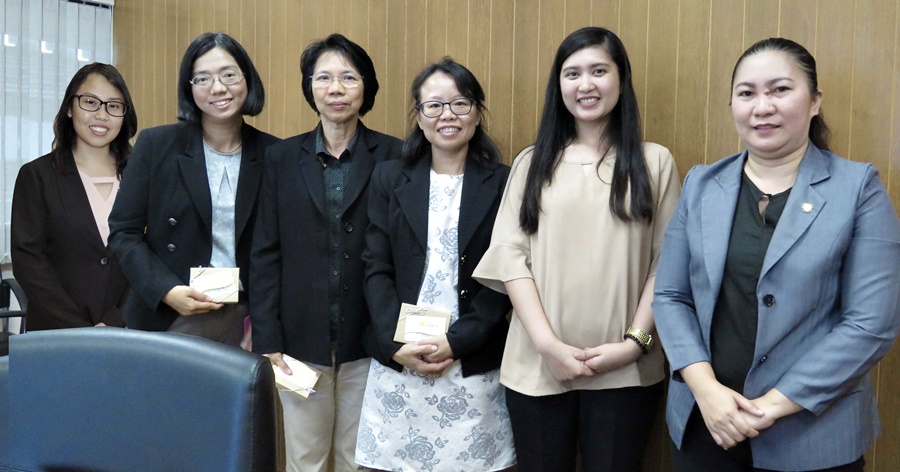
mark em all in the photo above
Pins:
pixel 301 381
pixel 220 283
pixel 419 322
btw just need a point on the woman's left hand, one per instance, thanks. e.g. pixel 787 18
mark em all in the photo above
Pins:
pixel 443 351
pixel 610 356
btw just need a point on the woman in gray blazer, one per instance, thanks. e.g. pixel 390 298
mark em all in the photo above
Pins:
pixel 777 287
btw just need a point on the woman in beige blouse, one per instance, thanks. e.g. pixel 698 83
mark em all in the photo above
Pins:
pixel 61 203
pixel 575 246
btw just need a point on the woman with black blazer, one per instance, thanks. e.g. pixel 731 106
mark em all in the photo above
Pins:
pixel 189 197
pixel 431 216
pixel 61 202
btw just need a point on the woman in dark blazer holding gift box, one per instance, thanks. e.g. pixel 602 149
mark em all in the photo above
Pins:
pixel 431 216
pixel 188 199
pixel 61 202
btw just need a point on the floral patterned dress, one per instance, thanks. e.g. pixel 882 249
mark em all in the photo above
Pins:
pixel 413 422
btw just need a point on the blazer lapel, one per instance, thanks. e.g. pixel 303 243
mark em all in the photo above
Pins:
pixel 192 164
pixel 476 199
pixel 716 218
pixel 311 170
pixel 801 209
pixel 248 182
pixel 361 170
pixel 413 199
pixel 78 208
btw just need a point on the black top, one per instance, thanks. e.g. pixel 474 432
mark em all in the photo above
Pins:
pixel 161 223
pixel 335 172
pixel 734 322
pixel 70 277
pixel 396 244
pixel 292 251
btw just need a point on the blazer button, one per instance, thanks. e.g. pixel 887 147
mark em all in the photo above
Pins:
pixel 104 260
pixel 173 222
pixel 171 247
pixel 348 227
pixel 769 299
pixel 346 256
pixel 763 359
pixel 463 294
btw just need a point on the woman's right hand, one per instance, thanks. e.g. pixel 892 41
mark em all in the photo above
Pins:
pixel 412 357
pixel 187 301
pixel 724 412
pixel 562 359
pixel 277 359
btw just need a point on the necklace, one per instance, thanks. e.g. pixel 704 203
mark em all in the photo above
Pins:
pixel 224 152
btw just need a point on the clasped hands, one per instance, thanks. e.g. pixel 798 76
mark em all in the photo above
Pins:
pixel 568 362
pixel 429 356
pixel 731 418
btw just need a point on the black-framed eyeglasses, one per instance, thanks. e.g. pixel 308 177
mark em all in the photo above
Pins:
pixel 227 77
pixel 324 79
pixel 434 108
pixel 91 103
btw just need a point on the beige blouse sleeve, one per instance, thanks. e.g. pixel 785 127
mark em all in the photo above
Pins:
pixel 509 256
pixel 667 191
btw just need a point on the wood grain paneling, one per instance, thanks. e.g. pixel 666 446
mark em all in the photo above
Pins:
pixel 682 53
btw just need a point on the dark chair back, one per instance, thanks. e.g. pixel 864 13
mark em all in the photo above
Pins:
pixel 112 399
pixel 8 289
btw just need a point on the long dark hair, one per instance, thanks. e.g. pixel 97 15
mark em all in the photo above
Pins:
pixel 352 52
pixel 481 147
pixel 64 137
pixel 623 132
pixel 819 133
pixel 256 95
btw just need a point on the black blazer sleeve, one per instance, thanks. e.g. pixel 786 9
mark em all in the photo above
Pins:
pixel 478 337
pixel 265 262
pixel 380 289
pixel 150 278
pixel 33 269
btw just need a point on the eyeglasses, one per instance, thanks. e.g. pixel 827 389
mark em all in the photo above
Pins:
pixel 227 77
pixel 92 103
pixel 434 108
pixel 325 79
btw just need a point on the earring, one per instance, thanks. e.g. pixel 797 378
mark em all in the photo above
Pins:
pixel 69 113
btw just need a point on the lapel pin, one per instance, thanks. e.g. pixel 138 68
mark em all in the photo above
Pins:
pixel 806 207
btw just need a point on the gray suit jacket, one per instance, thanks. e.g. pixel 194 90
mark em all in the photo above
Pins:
pixel 827 298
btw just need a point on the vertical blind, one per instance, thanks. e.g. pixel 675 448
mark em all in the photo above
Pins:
pixel 44 42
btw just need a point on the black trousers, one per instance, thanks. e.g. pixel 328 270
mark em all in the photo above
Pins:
pixel 609 427
pixel 700 453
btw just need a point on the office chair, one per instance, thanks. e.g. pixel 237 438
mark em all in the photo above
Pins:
pixel 9 288
pixel 113 399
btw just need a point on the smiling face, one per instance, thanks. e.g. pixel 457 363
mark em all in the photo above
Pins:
pixel 448 132
pixel 96 128
pixel 219 102
pixel 337 103
pixel 590 85
pixel 772 104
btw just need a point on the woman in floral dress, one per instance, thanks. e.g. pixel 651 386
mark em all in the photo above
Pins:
pixel 436 404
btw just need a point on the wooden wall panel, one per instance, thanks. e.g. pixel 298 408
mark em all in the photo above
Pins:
pixel 691 82
pixel 682 53
pixel 725 46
